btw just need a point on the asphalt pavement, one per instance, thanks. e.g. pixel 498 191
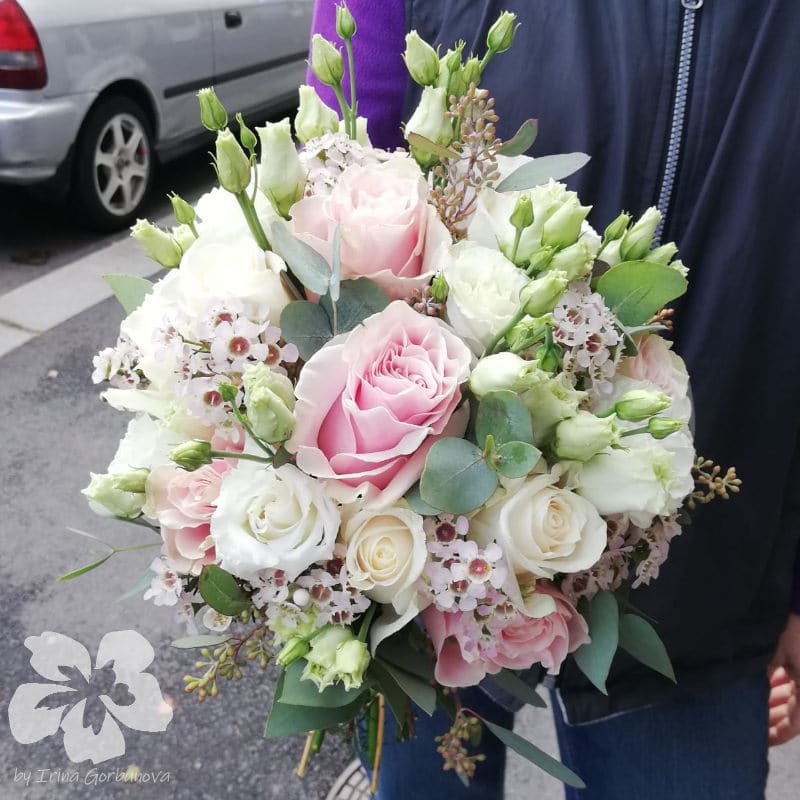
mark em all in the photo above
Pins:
pixel 54 430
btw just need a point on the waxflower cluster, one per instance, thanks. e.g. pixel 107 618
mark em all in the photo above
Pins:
pixel 398 419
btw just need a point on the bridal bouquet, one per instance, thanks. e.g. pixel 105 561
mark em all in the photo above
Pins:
pixel 402 420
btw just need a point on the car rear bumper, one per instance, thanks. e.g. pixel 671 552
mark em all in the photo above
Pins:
pixel 36 133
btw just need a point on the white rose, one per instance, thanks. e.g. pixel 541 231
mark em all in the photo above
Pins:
pixel 220 219
pixel 645 480
pixel 386 553
pixel 484 289
pixel 541 528
pixel 272 518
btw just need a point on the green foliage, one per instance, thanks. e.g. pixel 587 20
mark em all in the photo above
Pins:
pixel 540 170
pixel 419 690
pixel 422 143
pixel 636 290
pixel 130 290
pixel 503 416
pixel 513 684
pixel 297 692
pixel 522 140
pixel 639 638
pixel 221 591
pixel 359 298
pixel 515 459
pixel 594 659
pixel 76 573
pixel 414 499
pixel 310 268
pixel 191 642
pixel 306 325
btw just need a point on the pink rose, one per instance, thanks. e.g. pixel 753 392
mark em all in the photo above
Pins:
pixel 450 634
pixel 372 402
pixel 389 231
pixel 656 363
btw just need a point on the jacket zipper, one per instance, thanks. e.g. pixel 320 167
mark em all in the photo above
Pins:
pixel 690 9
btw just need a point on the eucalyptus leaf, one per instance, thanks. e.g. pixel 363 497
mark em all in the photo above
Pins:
pixel 299 692
pixel 419 690
pixel 310 268
pixel 541 170
pixel 552 766
pixel 420 142
pixel 456 478
pixel 336 265
pixel 516 459
pixel 594 659
pixel 514 685
pixel 636 290
pixel 140 586
pixel 221 591
pixel 285 719
pixel 504 416
pixel 522 140
pixel 359 298
pixel 414 499
pixel 306 325
pixel 191 642
pixel 639 638
pixel 130 290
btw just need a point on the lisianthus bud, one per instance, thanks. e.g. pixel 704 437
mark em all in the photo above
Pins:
pixel 429 121
pixel 540 260
pixel 501 34
pixel 563 227
pixel 549 357
pixel 526 333
pixel 212 113
pixel 269 399
pixel 471 71
pixel 540 295
pixel 584 435
pixel 663 254
pixel 231 162
pixel 107 499
pixel 183 236
pixel 184 213
pixel 522 215
pixel 281 176
pixel 296 648
pixel 661 427
pixel 321 659
pixel 616 229
pixel 439 288
pixel 451 60
pixel 133 481
pixel 576 260
pixel 421 60
pixel 639 404
pixel 352 659
pixel 361 131
pixel 503 371
pixel 313 118
pixel 246 136
pixel 158 244
pixel 637 241
pixel 192 455
pixel 326 61
pixel 345 24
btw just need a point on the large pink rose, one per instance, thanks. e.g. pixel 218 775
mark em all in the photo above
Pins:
pixel 372 402
pixel 389 231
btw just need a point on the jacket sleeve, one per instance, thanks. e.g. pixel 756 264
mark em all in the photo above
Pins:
pixel 380 72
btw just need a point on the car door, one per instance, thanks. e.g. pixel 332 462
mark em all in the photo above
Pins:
pixel 260 48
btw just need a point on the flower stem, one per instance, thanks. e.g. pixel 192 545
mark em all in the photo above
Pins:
pixel 376 764
pixel 301 767
pixel 242 456
pixel 243 421
pixel 348 44
pixel 493 345
pixel 253 222
pixel 366 622
pixel 515 246
pixel 635 431
pixel 346 114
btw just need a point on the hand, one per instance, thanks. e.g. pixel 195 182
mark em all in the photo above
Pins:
pixel 784 679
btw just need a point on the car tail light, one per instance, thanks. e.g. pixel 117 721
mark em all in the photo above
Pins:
pixel 21 58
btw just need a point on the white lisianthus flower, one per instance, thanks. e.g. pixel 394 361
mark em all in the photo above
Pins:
pixel 551 400
pixel 220 219
pixel 386 554
pixel 647 479
pixel 272 518
pixel 504 371
pixel 542 528
pixel 483 294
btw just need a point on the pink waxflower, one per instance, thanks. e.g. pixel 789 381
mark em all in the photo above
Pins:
pixel 389 231
pixel 371 403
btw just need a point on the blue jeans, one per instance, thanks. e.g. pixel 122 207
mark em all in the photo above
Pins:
pixel 710 747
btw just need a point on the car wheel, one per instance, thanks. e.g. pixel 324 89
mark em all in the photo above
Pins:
pixel 114 164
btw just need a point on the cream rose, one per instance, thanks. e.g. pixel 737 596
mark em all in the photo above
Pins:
pixel 542 528
pixel 386 553
pixel 272 518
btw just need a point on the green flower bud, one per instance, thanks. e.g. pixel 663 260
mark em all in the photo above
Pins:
pixel 576 260
pixel 429 121
pixel 158 244
pixel 501 34
pixel 321 659
pixel 212 113
pixel 183 236
pixel 281 176
pixel 133 481
pixel 503 371
pixel 439 288
pixel 661 427
pixel 583 436
pixel 231 162
pixel 269 399
pixel 107 499
pixel 451 60
pixel 616 229
pixel 549 357
pixel 639 404
pixel 540 260
pixel 540 295
pixel 295 649
pixel 471 71
pixel 664 254
pixel 637 241
pixel 361 131
pixel 326 61
pixel 526 333
pixel 313 118
pixel 352 659
pixel 184 213
pixel 192 455
pixel 345 24
pixel 246 136
pixel 421 60
pixel 563 227
pixel 522 215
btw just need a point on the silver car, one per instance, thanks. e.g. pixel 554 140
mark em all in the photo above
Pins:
pixel 93 93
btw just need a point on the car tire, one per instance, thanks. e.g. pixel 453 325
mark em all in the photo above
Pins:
pixel 114 164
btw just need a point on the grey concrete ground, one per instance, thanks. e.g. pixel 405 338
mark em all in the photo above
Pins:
pixel 53 431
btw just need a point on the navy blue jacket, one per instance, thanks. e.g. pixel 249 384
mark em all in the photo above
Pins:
pixel 601 78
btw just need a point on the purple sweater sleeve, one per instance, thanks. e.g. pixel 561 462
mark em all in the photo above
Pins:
pixel 378 46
